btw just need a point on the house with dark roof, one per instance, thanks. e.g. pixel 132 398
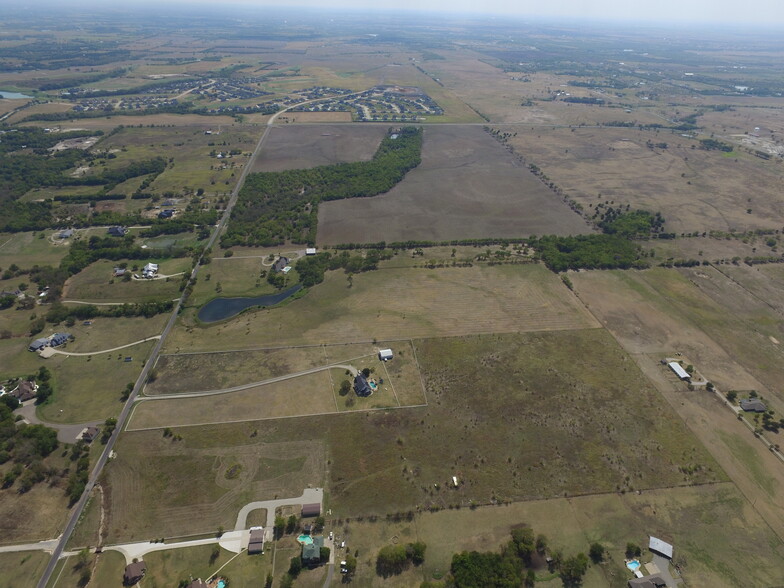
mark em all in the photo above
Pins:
pixel 653 581
pixel 89 434
pixel 198 584
pixel 26 390
pixel 361 385
pixel 256 541
pixel 753 405
pixel 134 572
pixel 59 339
pixel 279 264
pixel 117 231
pixel 311 554
pixel 38 344
pixel 168 213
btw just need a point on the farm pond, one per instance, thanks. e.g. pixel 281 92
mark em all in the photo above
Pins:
pixel 223 308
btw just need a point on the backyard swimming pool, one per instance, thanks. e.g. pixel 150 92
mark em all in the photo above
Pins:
pixel 633 565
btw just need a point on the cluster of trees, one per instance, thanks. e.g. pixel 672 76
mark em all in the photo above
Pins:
pixel 311 269
pixel 715 145
pixel 514 565
pixel 83 253
pixel 77 480
pixel 630 223
pixel 278 206
pixel 35 139
pixel 60 313
pixel 395 559
pixel 26 446
pixel 588 252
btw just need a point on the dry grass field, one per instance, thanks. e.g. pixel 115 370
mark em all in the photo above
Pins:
pixel 539 396
pixel 467 186
pixel 29 249
pixel 661 312
pixel 180 486
pixel 719 539
pixel 695 190
pixel 305 146
pixel 20 570
pixel 401 303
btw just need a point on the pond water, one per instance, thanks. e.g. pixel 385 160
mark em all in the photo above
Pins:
pixel 13 95
pixel 223 308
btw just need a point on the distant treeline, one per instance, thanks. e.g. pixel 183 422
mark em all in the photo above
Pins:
pixel 276 207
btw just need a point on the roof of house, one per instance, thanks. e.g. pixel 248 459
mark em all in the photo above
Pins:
pixel 311 510
pixel 90 433
pixel 117 231
pixel 361 386
pixel 647 582
pixel 753 405
pixel 59 339
pixel 280 263
pixel 660 546
pixel 25 391
pixel 39 343
pixel 134 571
pixel 385 353
pixel 198 584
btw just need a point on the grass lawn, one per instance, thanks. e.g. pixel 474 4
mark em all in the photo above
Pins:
pixel 29 249
pixel 230 277
pixel 95 283
pixel 22 569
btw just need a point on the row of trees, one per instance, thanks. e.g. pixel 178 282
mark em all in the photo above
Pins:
pixel 311 269
pixel 278 206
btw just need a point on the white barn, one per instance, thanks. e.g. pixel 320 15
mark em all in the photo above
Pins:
pixel 385 354
pixel 679 371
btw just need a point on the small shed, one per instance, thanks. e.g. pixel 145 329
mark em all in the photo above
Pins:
pixel 310 251
pixel 679 371
pixel 385 354
pixel 134 572
pixel 311 510
pixel 660 547
pixel 256 541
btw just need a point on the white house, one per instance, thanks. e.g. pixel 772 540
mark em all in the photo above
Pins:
pixel 150 270
pixel 385 354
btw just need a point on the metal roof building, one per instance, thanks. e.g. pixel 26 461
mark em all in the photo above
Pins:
pixel 256 542
pixel 679 371
pixel 311 510
pixel 385 354
pixel 660 547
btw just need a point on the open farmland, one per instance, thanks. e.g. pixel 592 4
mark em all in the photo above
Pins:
pixel 564 383
pixel 305 146
pixel 694 189
pixel 659 312
pixel 467 186
pixel 719 539
pixel 399 303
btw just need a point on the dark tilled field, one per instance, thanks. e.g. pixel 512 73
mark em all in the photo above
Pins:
pixel 305 146
pixel 467 186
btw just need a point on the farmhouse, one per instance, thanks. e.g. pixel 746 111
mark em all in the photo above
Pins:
pixel 753 405
pixel 256 541
pixel 361 386
pixel 311 510
pixel 117 231
pixel 385 354
pixel 150 270
pixel 660 547
pixel 280 264
pixel 648 582
pixel 134 572
pixel 311 554
pixel 679 371
pixel 26 390
pixel 59 339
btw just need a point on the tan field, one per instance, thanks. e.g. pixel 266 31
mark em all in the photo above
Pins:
pixel 467 186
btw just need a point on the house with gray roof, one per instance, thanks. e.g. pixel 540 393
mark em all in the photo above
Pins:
pixel 753 405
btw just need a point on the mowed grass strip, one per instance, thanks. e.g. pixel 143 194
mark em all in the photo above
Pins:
pixel 400 303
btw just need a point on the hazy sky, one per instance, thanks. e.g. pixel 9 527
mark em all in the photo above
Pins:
pixel 768 12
